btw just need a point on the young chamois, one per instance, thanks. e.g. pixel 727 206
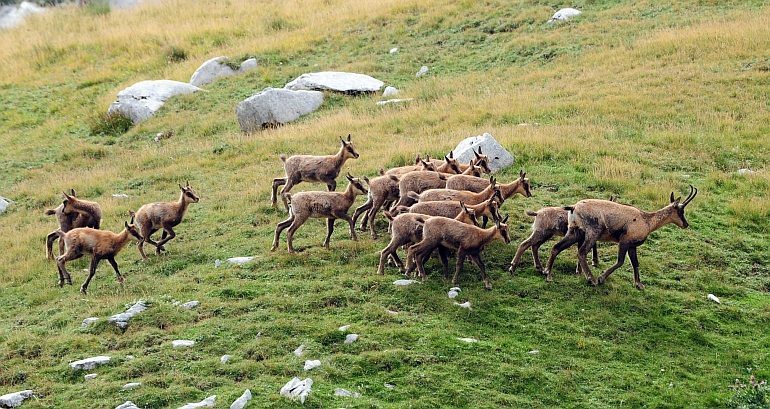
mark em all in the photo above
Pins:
pixel 71 214
pixel 451 208
pixel 549 222
pixel 417 182
pixel 449 165
pixel 306 168
pixel 320 205
pixel 382 189
pixel 593 220
pixel 474 184
pixel 99 244
pixel 406 229
pixel 163 215
pixel 466 239
pixel 479 160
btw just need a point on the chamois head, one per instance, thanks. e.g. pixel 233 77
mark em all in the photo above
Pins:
pixel 482 160
pixel 189 194
pixel 132 229
pixel 68 202
pixel 524 183
pixel 503 229
pixel 427 165
pixel 470 213
pixel 348 149
pixel 358 187
pixel 679 219
pixel 453 164
pixel 494 204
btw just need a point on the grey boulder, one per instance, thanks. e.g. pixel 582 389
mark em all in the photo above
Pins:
pixel 13 400
pixel 499 158
pixel 140 101
pixel 217 67
pixel 90 363
pixel 275 106
pixel 349 83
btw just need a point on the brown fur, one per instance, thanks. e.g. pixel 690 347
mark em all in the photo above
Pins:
pixel 480 160
pixel 307 168
pixel 99 244
pixel 417 182
pixel 593 220
pixel 406 229
pixel 419 165
pixel 382 189
pixel 467 240
pixel 451 208
pixel 473 184
pixel 71 214
pixel 464 196
pixel 163 215
pixel 320 205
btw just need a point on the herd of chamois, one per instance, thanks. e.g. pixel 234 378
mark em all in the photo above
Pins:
pixel 433 205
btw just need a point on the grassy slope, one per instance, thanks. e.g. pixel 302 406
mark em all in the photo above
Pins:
pixel 635 99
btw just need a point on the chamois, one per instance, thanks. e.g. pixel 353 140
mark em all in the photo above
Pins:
pixel 464 196
pixel 549 222
pixel 593 220
pixel 479 160
pixel 163 215
pixel 418 182
pixel 71 214
pixel 99 244
pixel 474 184
pixel 306 168
pixel 320 205
pixel 406 229
pixel 467 240
pixel 451 208
pixel 382 189
pixel 450 165
pixel 419 164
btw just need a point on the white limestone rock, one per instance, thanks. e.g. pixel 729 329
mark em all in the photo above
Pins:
pixel 190 305
pixel 208 402
pixel 312 364
pixel 393 50
pixel 88 321
pixel 466 304
pixel 350 338
pixel 300 350
pixel 4 204
pixel 297 388
pixel 390 92
pixel 225 358
pixel 564 14
pixel 216 68
pixel 240 260
pixel 12 400
pixel 392 101
pixel 347 393
pixel 121 320
pixel 275 106
pixel 90 363
pixel 469 340
pixel 13 15
pixel 140 101
pixel 127 405
pixel 405 282
pixel 347 82
pixel 499 158
pixel 423 71
pixel 90 376
pixel 182 343
pixel 131 385
pixel 242 401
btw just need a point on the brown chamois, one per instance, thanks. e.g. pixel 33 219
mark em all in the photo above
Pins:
pixel 593 220
pixel 417 182
pixel 406 229
pixel 549 222
pixel 419 164
pixel 99 244
pixel 465 196
pixel 466 239
pixel 473 184
pixel 449 165
pixel 163 215
pixel 78 213
pixel 382 189
pixel 479 160
pixel 320 205
pixel 488 209
pixel 307 168
pixel 472 170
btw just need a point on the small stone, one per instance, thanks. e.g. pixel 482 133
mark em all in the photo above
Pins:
pixel 217 263
pixel 129 357
pixel 392 101
pixel 471 340
pixel 15 399
pixel 90 363
pixel 131 385
pixel 393 50
pixel 344 328
pixel 225 358
pixel 312 364
pixel 452 294
pixel 390 92
pixel 351 338
pixel 405 282
pixel 389 386
pixel 345 392
pixel 88 321
pixel 534 352
pixel 240 260
pixel 714 298
pixel 206 402
pixel 300 350
pixel 466 304
pixel 241 402
pixel 297 388
pixel 190 305
pixel 128 405
pixel 182 343
pixel 120 195
pixel 90 376
pixel 423 71
pixel 391 312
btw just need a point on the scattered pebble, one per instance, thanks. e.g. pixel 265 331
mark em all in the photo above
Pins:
pixel 121 320
pixel 206 402
pixel 241 402
pixel 714 298
pixel 452 294
pixel 190 305
pixel 745 172
pixel 297 388
pixel 423 71
pixel 182 343
pixel 4 204
pixel 345 392
pixel 392 101
pixel 217 263
pixel 393 50
pixel 405 282
pixel 131 385
pixel 120 195
pixel 128 405
pixel 468 339
pixel 389 386
pixel 351 338
pixel 89 320
pixel 129 357
pixel 312 364
pixel 344 327
pixel 534 352
pixel 240 260
pixel 390 92
pixel 90 376
pixel 300 350
pixel 225 358
pixel 90 363
pixel 391 312
pixel 466 304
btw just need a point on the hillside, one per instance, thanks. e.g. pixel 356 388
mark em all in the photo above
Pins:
pixel 632 99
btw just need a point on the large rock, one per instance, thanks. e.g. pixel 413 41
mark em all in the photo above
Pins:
pixel 346 82
pixel 13 15
pixel 215 68
pixel 13 400
pixel 275 106
pixel 140 101
pixel 499 158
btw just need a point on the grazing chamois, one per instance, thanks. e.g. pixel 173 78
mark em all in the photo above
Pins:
pixel 593 220
pixel 71 214
pixel 549 222
pixel 163 215
pixel 307 168
pixel 406 229
pixel 466 239
pixel 99 244
pixel 382 189
pixel 320 205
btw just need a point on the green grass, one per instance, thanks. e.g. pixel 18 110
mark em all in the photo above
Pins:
pixel 634 99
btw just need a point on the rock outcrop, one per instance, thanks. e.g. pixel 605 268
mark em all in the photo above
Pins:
pixel 275 106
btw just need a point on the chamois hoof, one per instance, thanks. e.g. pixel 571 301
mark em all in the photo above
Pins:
pixel 83 290
pixel 592 282
pixel 61 283
pixel 549 278
pixel 639 286
pixel 512 268
pixel 273 248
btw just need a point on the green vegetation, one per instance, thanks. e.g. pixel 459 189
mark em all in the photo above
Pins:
pixel 632 98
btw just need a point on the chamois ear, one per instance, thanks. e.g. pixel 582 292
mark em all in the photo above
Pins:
pixel 126 223
pixel 475 153
pixel 348 137
pixel 522 174
pixel 342 140
pixel 451 154
pixel 480 151
pixel 505 219
pixel 672 198
pixel 66 196
pixel 73 192
pixel 366 179
pixel 180 187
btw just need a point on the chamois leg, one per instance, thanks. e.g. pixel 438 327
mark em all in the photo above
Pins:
pixel 363 209
pixel 415 256
pixel 71 254
pixel 572 237
pixel 329 230
pixel 288 185
pixel 534 242
pixel 164 238
pixel 595 261
pixel 146 239
pixel 635 264
pixel 583 259
pixel 460 261
pixel 476 257
pixel 91 272
pixel 376 206
pixel 622 251
pixel 282 225
pixel 52 236
pixel 443 254
pixel 114 265
pixel 277 182
pixel 390 250
pixel 295 224
pixel 331 185
pixel 344 216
